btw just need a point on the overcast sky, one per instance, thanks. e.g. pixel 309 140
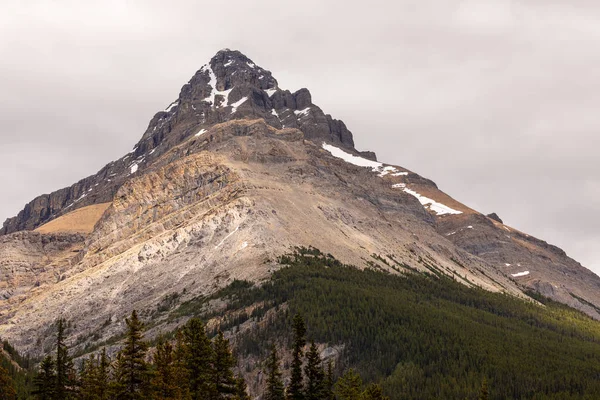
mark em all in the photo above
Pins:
pixel 497 101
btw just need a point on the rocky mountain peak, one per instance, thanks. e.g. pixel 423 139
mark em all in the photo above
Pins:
pixel 229 87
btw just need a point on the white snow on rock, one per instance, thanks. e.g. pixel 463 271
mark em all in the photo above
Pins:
pixel 228 63
pixel 470 227
pixel 518 274
pixel 251 65
pixel 202 132
pixel 172 105
pixel 507 264
pixel 244 245
pixel 360 161
pixel 134 168
pixel 400 174
pixel 213 84
pixel 237 104
pixel 302 112
pixel 438 208
pixel 271 92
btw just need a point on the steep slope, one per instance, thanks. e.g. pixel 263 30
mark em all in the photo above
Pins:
pixel 230 176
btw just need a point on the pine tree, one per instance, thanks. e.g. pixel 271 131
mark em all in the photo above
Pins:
pixel 374 392
pixel 180 370
pixel 65 374
pixel 163 382
pixel 241 390
pixel 45 380
pixel 349 386
pixel 274 389
pixel 7 388
pixel 223 379
pixel 295 389
pixel 329 382
pixel 199 358
pixel 132 370
pixel 88 379
pixel 315 375
pixel 103 376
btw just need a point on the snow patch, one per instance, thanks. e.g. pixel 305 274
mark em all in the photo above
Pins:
pixel 360 161
pixel 470 227
pixel 270 92
pixel 518 274
pixel 230 62
pixel 202 132
pixel 244 245
pixel 134 168
pixel 302 112
pixel 438 208
pixel 250 65
pixel 451 233
pixel 400 174
pixel 237 104
pixel 399 185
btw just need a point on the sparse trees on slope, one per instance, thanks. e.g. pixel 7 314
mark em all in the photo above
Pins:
pixel 274 389
pixel 295 389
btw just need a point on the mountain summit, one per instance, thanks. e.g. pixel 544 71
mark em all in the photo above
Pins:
pixel 225 180
pixel 229 87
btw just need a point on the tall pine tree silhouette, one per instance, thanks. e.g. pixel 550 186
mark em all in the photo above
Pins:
pixel 296 389
pixel 274 389
pixel 131 368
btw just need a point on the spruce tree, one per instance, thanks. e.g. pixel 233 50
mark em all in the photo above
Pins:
pixel 64 381
pixel 374 392
pixel 198 360
pixel 329 382
pixel 132 370
pixel 180 370
pixel 241 390
pixel 349 386
pixel 223 379
pixel 45 380
pixel 88 378
pixel 7 388
pixel 163 382
pixel 295 389
pixel 103 376
pixel 274 389
pixel 315 375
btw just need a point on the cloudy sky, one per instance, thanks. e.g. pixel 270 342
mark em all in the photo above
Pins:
pixel 495 100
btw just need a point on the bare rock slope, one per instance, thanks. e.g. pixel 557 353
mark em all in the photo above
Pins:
pixel 233 174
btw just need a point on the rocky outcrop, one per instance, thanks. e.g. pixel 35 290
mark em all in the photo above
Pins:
pixel 495 217
pixel 229 87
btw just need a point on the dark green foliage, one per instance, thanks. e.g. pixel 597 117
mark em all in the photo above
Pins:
pixel 65 374
pixel 274 389
pixel 315 375
pixel 222 370
pixel 198 355
pixel 19 371
pixel 349 386
pixel 131 368
pixel 295 390
pixel 45 381
pixel 430 337
pixel 241 389
pixel 163 382
pixel 483 393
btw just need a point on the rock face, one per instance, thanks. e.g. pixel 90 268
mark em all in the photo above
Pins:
pixel 234 173
pixel 229 87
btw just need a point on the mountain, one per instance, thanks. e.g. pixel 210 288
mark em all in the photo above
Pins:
pixel 230 176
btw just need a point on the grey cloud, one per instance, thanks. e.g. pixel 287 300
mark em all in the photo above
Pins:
pixel 495 100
